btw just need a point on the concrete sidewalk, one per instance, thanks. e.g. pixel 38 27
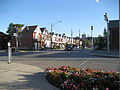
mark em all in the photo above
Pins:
pixel 17 76
pixel 103 53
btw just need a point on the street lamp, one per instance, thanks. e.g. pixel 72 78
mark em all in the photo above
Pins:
pixel 52 30
pixel 106 19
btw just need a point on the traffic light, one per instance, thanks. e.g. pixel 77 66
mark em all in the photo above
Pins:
pixel 91 27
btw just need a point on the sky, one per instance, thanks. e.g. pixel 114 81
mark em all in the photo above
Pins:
pixel 75 14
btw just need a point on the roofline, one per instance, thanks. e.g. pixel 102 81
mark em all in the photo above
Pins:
pixel 31 26
pixel 113 20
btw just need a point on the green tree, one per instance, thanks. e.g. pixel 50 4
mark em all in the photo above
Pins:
pixel 12 28
pixel 105 33
pixel 86 43
pixel 100 42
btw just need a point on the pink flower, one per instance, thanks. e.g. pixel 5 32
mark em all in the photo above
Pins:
pixel 106 88
pixel 71 75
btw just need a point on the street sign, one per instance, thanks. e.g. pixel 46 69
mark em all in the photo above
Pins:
pixel 15 34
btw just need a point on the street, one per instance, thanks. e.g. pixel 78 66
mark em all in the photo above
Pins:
pixel 56 58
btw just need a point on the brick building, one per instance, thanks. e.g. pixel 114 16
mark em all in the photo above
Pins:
pixel 30 37
pixel 114 34
pixel 3 40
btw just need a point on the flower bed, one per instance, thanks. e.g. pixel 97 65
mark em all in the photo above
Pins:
pixel 70 78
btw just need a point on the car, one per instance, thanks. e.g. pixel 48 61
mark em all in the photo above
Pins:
pixel 68 47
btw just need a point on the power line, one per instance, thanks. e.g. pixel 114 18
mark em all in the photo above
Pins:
pixel 59 28
pixel 16 16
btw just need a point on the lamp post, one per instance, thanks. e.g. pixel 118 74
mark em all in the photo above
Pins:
pixel 108 42
pixel 52 30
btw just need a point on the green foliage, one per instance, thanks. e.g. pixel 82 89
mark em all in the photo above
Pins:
pixel 100 42
pixel 10 29
pixel 86 43
pixel 105 32
pixel 13 27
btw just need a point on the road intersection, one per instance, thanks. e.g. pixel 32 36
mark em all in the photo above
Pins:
pixel 56 58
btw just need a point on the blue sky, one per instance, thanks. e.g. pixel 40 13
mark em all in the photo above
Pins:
pixel 74 14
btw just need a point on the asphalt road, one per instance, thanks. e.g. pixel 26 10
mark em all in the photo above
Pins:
pixel 56 58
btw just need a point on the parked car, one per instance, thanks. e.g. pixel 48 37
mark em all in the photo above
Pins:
pixel 68 47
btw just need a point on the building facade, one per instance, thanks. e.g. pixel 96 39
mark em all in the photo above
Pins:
pixel 45 41
pixel 114 34
pixel 30 37
pixel 4 40
pixel 34 37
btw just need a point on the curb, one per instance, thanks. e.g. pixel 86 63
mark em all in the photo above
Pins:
pixel 105 55
pixel 102 55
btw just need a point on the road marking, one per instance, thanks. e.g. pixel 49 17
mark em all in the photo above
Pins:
pixel 83 63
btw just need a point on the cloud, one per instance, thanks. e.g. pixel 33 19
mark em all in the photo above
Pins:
pixel 97 1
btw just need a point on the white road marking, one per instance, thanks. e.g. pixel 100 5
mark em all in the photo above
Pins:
pixel 83 63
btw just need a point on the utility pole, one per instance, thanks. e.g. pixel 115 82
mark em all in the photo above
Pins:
pixel 16 36
pixel 91 37
pixel 108 41
pixel 79 38
pixel 108 33
pixel 51 35
pixel 52 30
pixel 71 35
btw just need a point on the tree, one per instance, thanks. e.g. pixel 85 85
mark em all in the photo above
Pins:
pixel 100 42
pixel 85 43
pixel 10 29
pixel 14 28
pixel 105 33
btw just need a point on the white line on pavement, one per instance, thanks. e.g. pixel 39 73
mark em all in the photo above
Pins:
pixel 83 63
